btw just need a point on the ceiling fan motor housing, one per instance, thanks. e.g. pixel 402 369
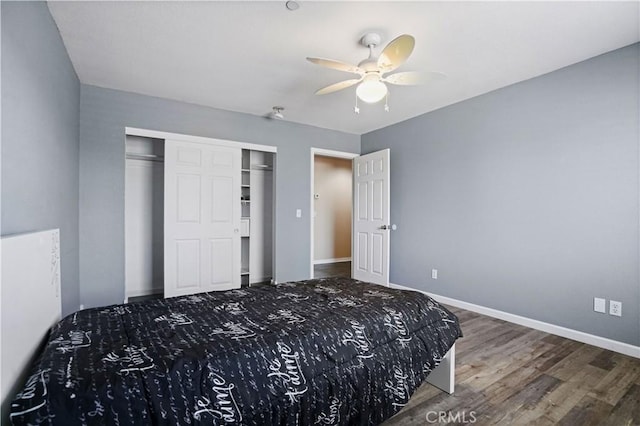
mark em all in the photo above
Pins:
pixel 370 40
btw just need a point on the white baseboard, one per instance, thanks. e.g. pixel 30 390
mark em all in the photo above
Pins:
pixel 336 260
pixel 601 342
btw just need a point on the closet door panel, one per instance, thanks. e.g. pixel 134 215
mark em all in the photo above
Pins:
pixel 202 193
pixel 222 190
pixel 222 272
pixel 188 198
pixel 187 263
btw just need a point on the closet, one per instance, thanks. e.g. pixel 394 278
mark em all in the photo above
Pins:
pixel 198 216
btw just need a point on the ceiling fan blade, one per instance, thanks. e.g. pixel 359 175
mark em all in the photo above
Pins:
pixel 336 65
pixel 338 86
pixel 412 78
pixel 396 53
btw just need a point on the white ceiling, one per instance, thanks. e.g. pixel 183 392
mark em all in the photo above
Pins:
pixel 248 56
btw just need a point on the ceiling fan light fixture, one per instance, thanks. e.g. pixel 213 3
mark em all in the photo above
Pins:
pixel 372 84
pixel 371 91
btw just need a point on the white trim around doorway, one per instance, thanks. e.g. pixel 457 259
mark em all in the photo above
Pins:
pixel 325 153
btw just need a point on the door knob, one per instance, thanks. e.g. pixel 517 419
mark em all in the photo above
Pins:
pixel 391 227
pixel 236 230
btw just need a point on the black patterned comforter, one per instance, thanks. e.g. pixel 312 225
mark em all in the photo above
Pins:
pixel 326 351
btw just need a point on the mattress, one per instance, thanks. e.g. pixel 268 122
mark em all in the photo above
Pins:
pixel 324 351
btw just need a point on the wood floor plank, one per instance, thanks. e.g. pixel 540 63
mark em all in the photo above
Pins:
pixel 589 411
pixel 511 356
pixel 617 382
pixel 554 340
pixel 465 317
pixel 605 360
pixel 507 374
pixel 480 332
pixel 506 412
pixel 558 353
pixel 491 346
pixel 574 362
pixel 561 400
pixel 627 408
pixel 503 389
pixel 464 399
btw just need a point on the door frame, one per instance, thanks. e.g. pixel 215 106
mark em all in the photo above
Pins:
pixel 324 153
pixel 156 134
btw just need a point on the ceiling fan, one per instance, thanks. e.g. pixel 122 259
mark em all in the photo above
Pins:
pixel 371 71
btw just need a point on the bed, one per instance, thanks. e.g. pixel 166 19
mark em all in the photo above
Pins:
pixel 324 351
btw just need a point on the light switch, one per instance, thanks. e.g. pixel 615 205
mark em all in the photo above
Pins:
pixel 298 213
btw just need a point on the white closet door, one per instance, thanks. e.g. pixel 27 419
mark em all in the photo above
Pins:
pixel 201 218
pixel 371 217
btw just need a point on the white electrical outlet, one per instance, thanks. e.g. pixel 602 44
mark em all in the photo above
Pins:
pixel 600 305
pixel 434 274
pixel 615 308
pixel 298 213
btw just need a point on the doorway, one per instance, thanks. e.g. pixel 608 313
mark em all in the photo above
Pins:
pixel 331 218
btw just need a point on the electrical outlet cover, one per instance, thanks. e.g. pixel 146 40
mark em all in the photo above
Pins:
pixel 615 308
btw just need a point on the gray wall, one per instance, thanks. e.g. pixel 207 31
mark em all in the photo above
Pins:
pixel 40 135
pixel 526 198
pixel 105 113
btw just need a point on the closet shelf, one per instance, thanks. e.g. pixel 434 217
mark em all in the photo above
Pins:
pixel 147 157
pixel 261 167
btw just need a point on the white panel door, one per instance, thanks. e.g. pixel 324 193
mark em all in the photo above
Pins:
pixel 201 218
pixel 371 219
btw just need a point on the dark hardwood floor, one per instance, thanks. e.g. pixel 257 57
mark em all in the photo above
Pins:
pixel 338 269
pixel 507 374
